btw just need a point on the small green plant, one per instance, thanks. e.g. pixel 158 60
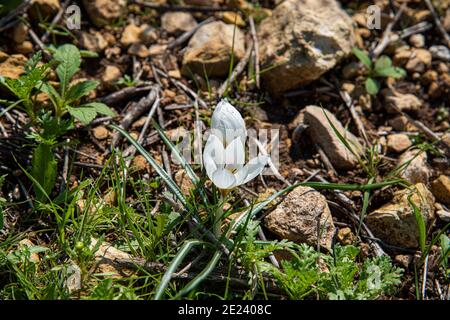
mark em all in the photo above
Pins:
pixel 65 98
pixel 382 68
pixel 337 277
pixel 127 81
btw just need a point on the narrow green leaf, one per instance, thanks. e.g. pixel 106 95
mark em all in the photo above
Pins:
pixel 383 62
pixel 420 224
pixel 161 172
pixel 181 254
pixel 372 86
pixel 363 57
pixel 43 170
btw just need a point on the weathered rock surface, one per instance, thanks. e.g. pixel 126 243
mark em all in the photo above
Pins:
pixel 93 41
pixel 398 142
pixel 302 40
pixel 404 102
pixel 178 22
pixel 322 133
pixel 417 170
pixel 441 189
pixel 395 222
pixel 440 53
pixel 210 47
pixel 11 66
pixel 103 12
pixel 111 260
pixel 131 34
pixel 303 216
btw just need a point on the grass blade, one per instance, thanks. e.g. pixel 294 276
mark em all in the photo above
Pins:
pixel 161 172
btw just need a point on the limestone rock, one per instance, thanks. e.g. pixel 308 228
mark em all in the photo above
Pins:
pixel 111 74
pixel 322 133
pixel 404 102
pixel 395 222
pixel 441 189
pixel 131 34
pixel 110 260
pixel 398 142
pixel 93 41
pixel 178 22
pixel 301 216
pixel 417 170
pixel 210 47
pixel 302 40
pixel 11 66
pixel 103 12
pixel 100 132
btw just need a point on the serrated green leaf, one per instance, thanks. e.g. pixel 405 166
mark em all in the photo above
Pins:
pixel 372 86
pixel 51 92
pixel 85 114
pixel 79 90
pixel 69 59
pixel 362 56
pixel 101 108
pixel 43 170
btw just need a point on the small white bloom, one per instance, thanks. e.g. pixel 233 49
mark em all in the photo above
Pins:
pixel 224 152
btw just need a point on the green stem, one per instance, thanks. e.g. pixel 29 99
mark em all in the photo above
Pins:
pixel 218 217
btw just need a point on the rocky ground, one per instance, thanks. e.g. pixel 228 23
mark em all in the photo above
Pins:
pixel 280 63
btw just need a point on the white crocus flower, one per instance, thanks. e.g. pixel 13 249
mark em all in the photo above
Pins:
pixel 224 152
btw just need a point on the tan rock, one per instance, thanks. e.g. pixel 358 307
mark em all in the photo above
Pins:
pixel 322 133
pixel 398 142
pixel 131 34
pixel 140 164
pixel 302 40
pixel 25 47
pixel 415 166
pixel 209 49
pixel 395 223
pixel 419 60
pixel 178 22
pixel 301 216
pixel 110 260
pixel 138 49
pixel 11 66
pixel 345 236
pixel 111 74
pixel 429 77
pixel 93 41
pixel 174 74
pixel 441 189
pixel 157 49
pixel 404 102
pixel 103 12
pixel 20 32
pixel 404 260
pixel 100 132
pixel 417 40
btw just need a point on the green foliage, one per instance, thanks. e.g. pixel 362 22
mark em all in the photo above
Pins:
pixel 340 276
pixel 382 68
pixel 43 170
pixel 65 98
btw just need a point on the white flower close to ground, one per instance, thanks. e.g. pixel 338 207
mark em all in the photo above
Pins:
pixel 224 152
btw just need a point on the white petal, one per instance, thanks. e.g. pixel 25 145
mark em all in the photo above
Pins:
pixel 214 148
pixel 240 175
pixel 235 153
pixel 223 179
pixel 255 166
pixel 209 164
pixel 228 121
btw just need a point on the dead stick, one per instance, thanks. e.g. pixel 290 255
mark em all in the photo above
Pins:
pixel 236 72
pixel 438 22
